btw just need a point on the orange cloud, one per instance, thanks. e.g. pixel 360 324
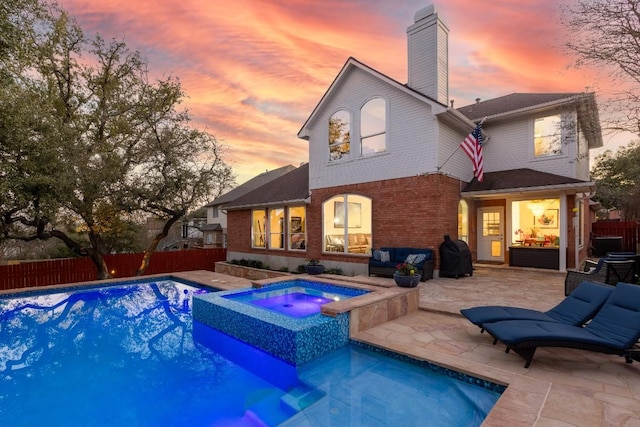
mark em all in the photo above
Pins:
pixel 254 70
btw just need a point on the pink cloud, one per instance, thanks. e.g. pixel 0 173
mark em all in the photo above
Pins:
pixel 254 70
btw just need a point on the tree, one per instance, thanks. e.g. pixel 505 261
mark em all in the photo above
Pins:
pixel 617 176
pixel 605 34
pixel 91 145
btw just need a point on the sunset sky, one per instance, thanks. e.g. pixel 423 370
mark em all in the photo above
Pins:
pixel 254 70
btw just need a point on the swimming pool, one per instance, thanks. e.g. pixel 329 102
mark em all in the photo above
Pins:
pixel 131 355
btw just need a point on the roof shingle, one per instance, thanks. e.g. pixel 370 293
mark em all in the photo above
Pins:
pixel 293 186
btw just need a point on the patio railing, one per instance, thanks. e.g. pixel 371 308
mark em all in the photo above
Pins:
pixel 70 270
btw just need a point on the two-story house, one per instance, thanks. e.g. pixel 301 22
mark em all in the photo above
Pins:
pixel 386 169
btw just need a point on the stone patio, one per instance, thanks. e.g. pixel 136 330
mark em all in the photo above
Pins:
pixel 563 387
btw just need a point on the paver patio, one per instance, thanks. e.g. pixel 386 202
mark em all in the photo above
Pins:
pixel 563 387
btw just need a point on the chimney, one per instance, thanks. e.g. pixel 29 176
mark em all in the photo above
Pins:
pixel 428 53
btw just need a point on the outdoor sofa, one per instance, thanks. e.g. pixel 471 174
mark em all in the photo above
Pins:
pixel 383 261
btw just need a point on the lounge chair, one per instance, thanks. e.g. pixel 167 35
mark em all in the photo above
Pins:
pixel 609 271
pixel 580 306
pixel 615 329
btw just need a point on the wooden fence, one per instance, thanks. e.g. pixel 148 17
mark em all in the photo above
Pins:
pixel 58 271
pixel 629 231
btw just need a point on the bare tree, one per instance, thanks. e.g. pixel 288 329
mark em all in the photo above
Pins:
pixel 90 142
pixel 605 35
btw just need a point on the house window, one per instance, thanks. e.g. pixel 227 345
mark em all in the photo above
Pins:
pixel 276 228
pixel 535 222
pixel 373 119
pixel 297 228
pixel 347 225
pixel 258 228
pixel 463 220
pixel 579 212
pixel 214 212
pixel 547 136
pixel 339 135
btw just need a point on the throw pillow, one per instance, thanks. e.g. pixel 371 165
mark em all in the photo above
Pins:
pixel 385 256
pixel 415 258
pixel 377 254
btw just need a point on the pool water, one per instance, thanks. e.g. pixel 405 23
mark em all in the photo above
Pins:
pixel 297 298
pixel 131 355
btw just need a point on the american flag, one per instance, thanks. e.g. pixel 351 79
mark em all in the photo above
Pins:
pixel 472 145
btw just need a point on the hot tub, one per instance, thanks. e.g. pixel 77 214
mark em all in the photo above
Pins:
pixel 282 319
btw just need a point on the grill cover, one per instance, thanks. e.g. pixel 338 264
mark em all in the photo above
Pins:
pixel 455 258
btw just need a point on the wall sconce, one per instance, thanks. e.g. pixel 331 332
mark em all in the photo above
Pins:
pixel 536 207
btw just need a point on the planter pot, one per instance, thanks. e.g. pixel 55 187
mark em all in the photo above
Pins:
pixel 406 281
pixel 314 269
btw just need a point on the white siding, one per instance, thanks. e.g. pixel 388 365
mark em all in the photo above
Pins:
pixel 582 158
pixel 411 145
pixel 511 147
pixel 452 160
pixel 428 56
pixel 221 219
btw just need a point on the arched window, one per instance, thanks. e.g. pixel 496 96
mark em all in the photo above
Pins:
pixel 463 221
pixel 373 127
pixel 346 220
pixel 339 135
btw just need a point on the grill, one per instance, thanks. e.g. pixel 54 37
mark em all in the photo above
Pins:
pixel 455 258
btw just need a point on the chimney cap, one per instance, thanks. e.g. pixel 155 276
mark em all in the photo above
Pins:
pixel 424 13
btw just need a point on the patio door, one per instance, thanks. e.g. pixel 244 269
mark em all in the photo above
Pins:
pixel 491 234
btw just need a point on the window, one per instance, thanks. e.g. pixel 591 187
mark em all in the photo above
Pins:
pixel 258 228
pixel 463 220
pixel 547 136
pixel 339 135
pixel 535 222
pixel 347 224
pixel 373 118
pixel 215 212
pixel 580 212
pixel 297 228
pixel 276 228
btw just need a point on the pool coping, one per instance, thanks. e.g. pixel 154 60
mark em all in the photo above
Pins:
pixel 521 402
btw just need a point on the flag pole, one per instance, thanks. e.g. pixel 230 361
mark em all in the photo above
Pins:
pixel 484 119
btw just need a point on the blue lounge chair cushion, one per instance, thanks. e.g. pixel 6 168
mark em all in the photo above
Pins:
pixel 581 305
pixel 616 325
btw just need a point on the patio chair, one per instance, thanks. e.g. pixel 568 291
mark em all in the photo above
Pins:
pixel 615 329
pixel 628 256
pixel 576 309
pixel 611 272
pixel 619 271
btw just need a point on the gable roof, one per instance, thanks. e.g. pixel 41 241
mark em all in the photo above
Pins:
pixel 523 180
pixel 352 64
pixel 292 187
pixel 527 103
pixel 252 184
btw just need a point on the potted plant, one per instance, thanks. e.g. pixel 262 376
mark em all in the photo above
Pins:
pixel 314 267
pixel 406 275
